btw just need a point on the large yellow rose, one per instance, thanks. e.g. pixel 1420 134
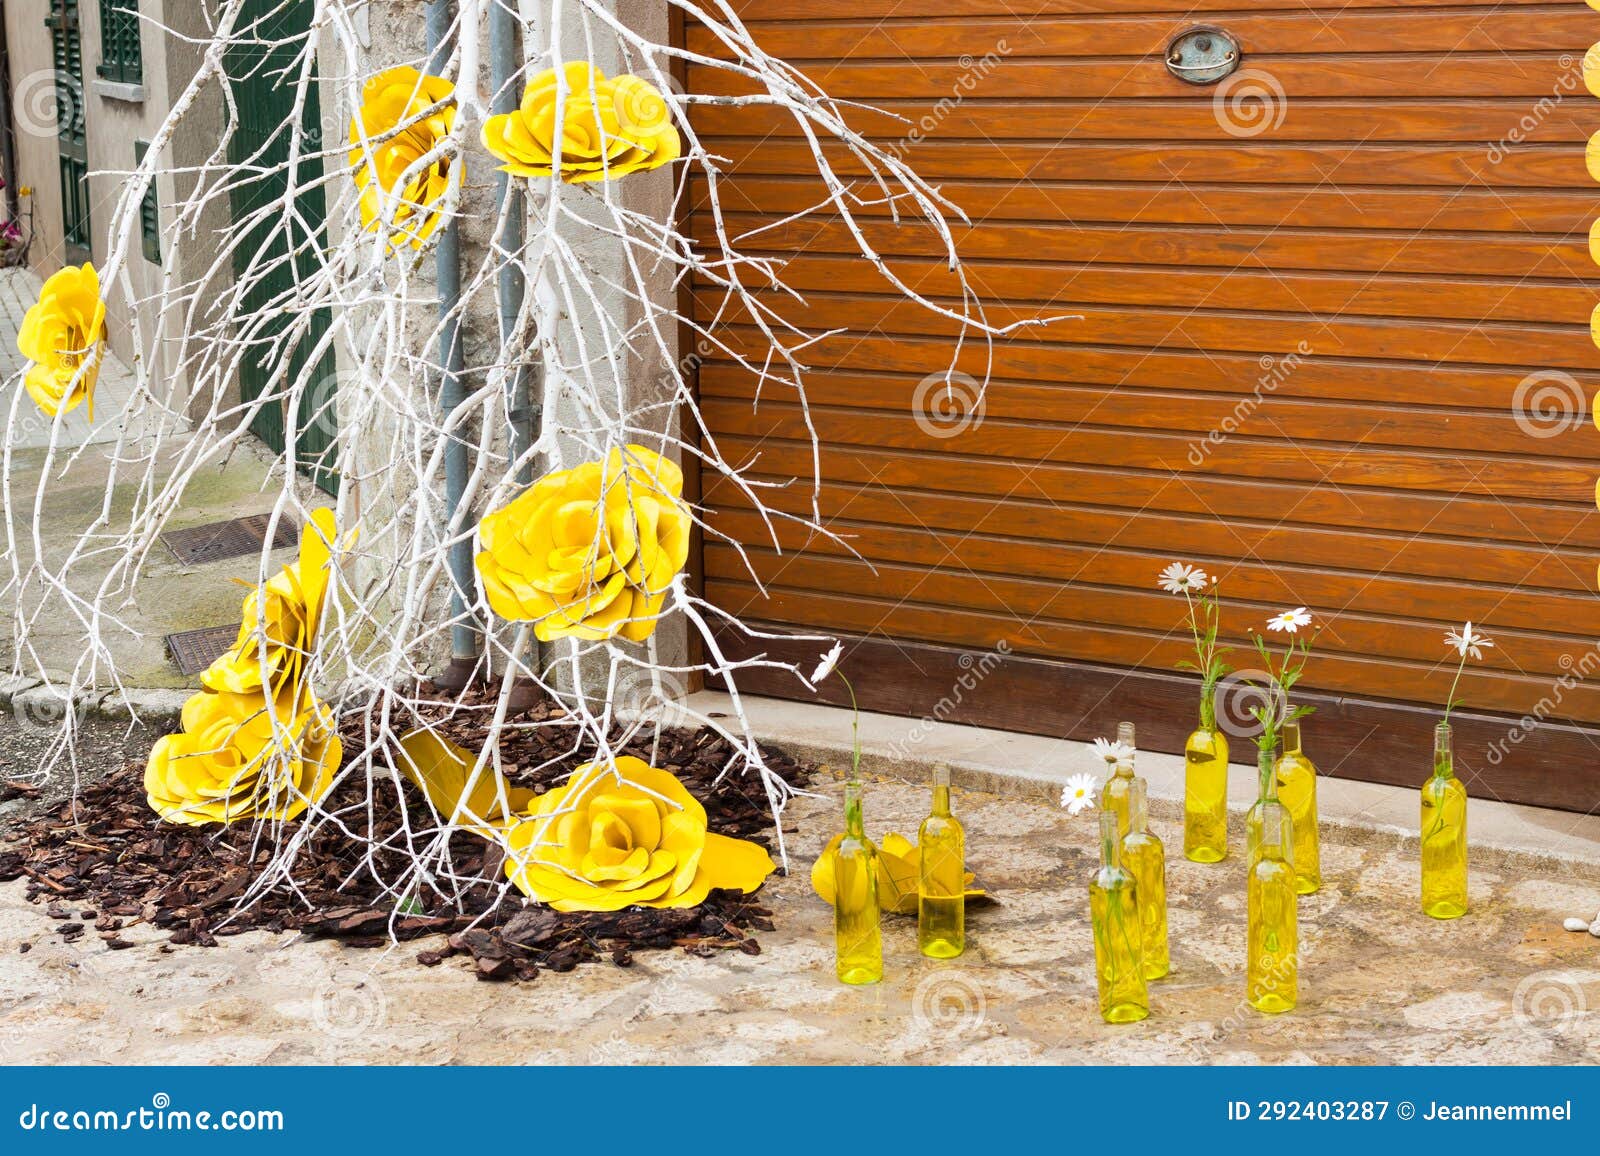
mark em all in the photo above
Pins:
pixel 608 128
pixel 631 836
pixel 231 762
pixel 62 334
pixel 284 614
pixel 390 123
pixel 589 552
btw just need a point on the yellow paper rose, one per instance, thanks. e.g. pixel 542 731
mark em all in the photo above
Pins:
pixel 589 552
pixel 230 762
pixel 609 127
pixel 391 126
pixel 62 334
pixel 632 836
pixel 287 610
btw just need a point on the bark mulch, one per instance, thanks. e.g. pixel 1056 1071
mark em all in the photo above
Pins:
pixel 105 862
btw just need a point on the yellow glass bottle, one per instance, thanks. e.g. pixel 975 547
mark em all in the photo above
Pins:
pixel 1118 941
pixel 1146 860
pixel 941 887
pixel 1297 790
pixel 1444 834
pixel 1205 789
pixel 1272 972
pixel 857 938
pixel 1119 786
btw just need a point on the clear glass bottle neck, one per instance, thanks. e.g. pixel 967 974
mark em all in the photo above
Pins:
pixel 1110 837
pixel 852 809
pixel 1291 738
pixel 1443 756
pixel 1269 780
pixel 941 791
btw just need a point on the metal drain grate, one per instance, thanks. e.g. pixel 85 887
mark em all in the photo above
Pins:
pixel 194 650
pixel 234 538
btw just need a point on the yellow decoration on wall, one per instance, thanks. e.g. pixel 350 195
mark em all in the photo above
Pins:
pixel 441 769
pixel 624 837
pixel 237 759
pixel 394 98
pixel 1591 69
pixel 59 334
pixel 899 870
pixel 1594 325
pixel 608 128
pixel 1591 157
pixel 288 610
pixel 589 552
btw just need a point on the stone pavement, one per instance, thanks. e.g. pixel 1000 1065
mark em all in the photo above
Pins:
pixel 1380 983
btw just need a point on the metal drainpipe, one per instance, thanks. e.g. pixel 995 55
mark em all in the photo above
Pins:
pixel 452 364
pixel 503 61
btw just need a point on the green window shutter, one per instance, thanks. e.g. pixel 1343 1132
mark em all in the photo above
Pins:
pixel 149 211
pixel 120 59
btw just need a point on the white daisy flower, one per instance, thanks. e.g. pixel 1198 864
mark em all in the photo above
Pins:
pixel 1290 620
pixel 829 661
pixel 1467 642
pixel 1181 578
pixel 1078 793
pixel 1111 750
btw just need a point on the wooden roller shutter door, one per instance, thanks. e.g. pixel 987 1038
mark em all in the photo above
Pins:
pixel 1400 250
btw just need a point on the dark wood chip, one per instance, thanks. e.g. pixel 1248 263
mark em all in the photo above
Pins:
pixel 116 864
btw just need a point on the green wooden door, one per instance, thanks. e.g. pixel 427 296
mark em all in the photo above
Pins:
pixel 66 44
pixel 263 78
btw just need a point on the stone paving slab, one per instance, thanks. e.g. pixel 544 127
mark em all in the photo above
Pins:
pixel 1381 982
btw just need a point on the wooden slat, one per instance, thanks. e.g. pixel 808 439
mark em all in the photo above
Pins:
pixel 1429 342
pixel 1238 457
pixel 1562 27
pixel 1389 251
pixel 1503 121
pixel 1098 587
pixel 1357 163
pixel 937 622
pixel 1208 204
pixel 1512 580
pixel 1383 382
pixel 1401 74
pixel 1419 519
pixel 1070 406
pixel 1058 284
